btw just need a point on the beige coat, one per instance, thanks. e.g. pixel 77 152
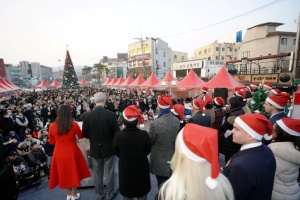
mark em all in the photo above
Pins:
pixel 287 171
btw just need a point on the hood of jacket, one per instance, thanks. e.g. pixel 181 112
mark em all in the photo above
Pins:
pixel 286 151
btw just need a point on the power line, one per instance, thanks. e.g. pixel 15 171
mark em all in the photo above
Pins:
pixel 226 20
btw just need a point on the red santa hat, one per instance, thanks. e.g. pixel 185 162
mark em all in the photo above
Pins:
pixel 207 100
pixel 164 101
pixel 268 85
pixel 132 113
pixel 253 85
pixel 198 104
pixel 204 89
pixel 219 101
pixel 290 125
pixel 200 144
pixel 279 100
pixel 178 110
pixel 276 91
pixel 256 125
pixel 241 93
pixel 249 89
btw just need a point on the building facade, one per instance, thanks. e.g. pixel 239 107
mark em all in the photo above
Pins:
pixel 116 67
pixel 152 55
pixel 15 75
pixel 218 51
pixel 2 69
pixel 46 74
pixel 204 68
pixel 264 40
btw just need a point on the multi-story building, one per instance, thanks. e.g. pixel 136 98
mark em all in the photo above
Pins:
pixel 46 74
pixel 263 40
pixel 15 75
pixel 176 56
pixel 2 69
pixel 152 55
pixel 116 67
pixel 218 51
pixel 205 69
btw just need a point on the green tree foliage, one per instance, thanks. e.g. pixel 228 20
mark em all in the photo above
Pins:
pixel 100 68
pixel 257 102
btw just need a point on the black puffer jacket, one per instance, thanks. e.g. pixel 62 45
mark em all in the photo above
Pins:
pixel 226 145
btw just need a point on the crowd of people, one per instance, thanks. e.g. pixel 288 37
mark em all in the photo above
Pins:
pixel 183 143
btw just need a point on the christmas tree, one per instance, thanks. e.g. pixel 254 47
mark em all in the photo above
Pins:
pixel 256 105
pixel 69 76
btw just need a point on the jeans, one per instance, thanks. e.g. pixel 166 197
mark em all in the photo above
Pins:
pixel 104 167
pixel 161 180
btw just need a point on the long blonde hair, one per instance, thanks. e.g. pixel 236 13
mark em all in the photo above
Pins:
pixel 188 181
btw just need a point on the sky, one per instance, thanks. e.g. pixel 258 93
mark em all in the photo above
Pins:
pixel 39 30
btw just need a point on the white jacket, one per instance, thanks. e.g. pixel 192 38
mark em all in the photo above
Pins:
pixel 287 171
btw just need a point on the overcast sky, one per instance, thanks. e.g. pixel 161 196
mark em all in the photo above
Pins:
pixel 38 30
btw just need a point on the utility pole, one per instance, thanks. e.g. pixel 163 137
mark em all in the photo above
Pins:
pixel 142 45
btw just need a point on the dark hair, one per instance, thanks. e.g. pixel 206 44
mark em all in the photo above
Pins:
pixel 64 119
pixel 234 103
pixel 283 136
pixel 129 123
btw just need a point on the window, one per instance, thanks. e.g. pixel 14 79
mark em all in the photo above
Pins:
pixel 223 48
pixel 234 58
pixel 294 42
pixel 175 56
pixel 283 40
pixel 200 52
pixel 217 48
pixel 164 64
pixel 217 57
pixel 222 58
pixel 182 58
pixel 156 51
pixel 235 50
pixel 230 49
pixel 205 51
pixel 208 58
pixel 164 54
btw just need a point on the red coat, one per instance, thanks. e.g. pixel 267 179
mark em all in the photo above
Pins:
pixel 68 165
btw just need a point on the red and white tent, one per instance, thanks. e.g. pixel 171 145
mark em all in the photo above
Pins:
pixel 106 82
pixel 166 83
pixel 138 81
pixel 128 81
pixel 55 83
pixel 223 80
pixel 11 84
pixel 113 81
pixel 6 86
pixel 190 81
pixel 43 85
pixel 152 80
pixel 83 83
pixel 120 81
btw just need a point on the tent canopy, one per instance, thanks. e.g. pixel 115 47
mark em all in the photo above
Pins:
pixel 128 81
pixel 168 81
pixel 5 85
pixel 11 84
pixel 43 84
pixel 113 81
pixel 152 80
pixel 83 83
pixel 121 80
pixel 190 81
pixel 138 81
pixel 107 81
pixel 55 83
pixel 223 80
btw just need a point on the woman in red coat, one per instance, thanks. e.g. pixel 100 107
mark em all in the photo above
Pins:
pixel 68 165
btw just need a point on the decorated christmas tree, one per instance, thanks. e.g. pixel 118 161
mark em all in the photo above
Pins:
pixel 256 105
pixel 69 76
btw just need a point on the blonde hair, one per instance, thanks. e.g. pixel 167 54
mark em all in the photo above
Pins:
pixel 188 180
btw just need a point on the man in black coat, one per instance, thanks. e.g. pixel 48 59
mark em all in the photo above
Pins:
pixel 100 126
pixel 199 117
pixel 251 170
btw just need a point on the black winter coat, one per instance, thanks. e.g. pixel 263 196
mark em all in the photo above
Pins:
pixel 226 145
pixel 132 146
pixel 100 126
